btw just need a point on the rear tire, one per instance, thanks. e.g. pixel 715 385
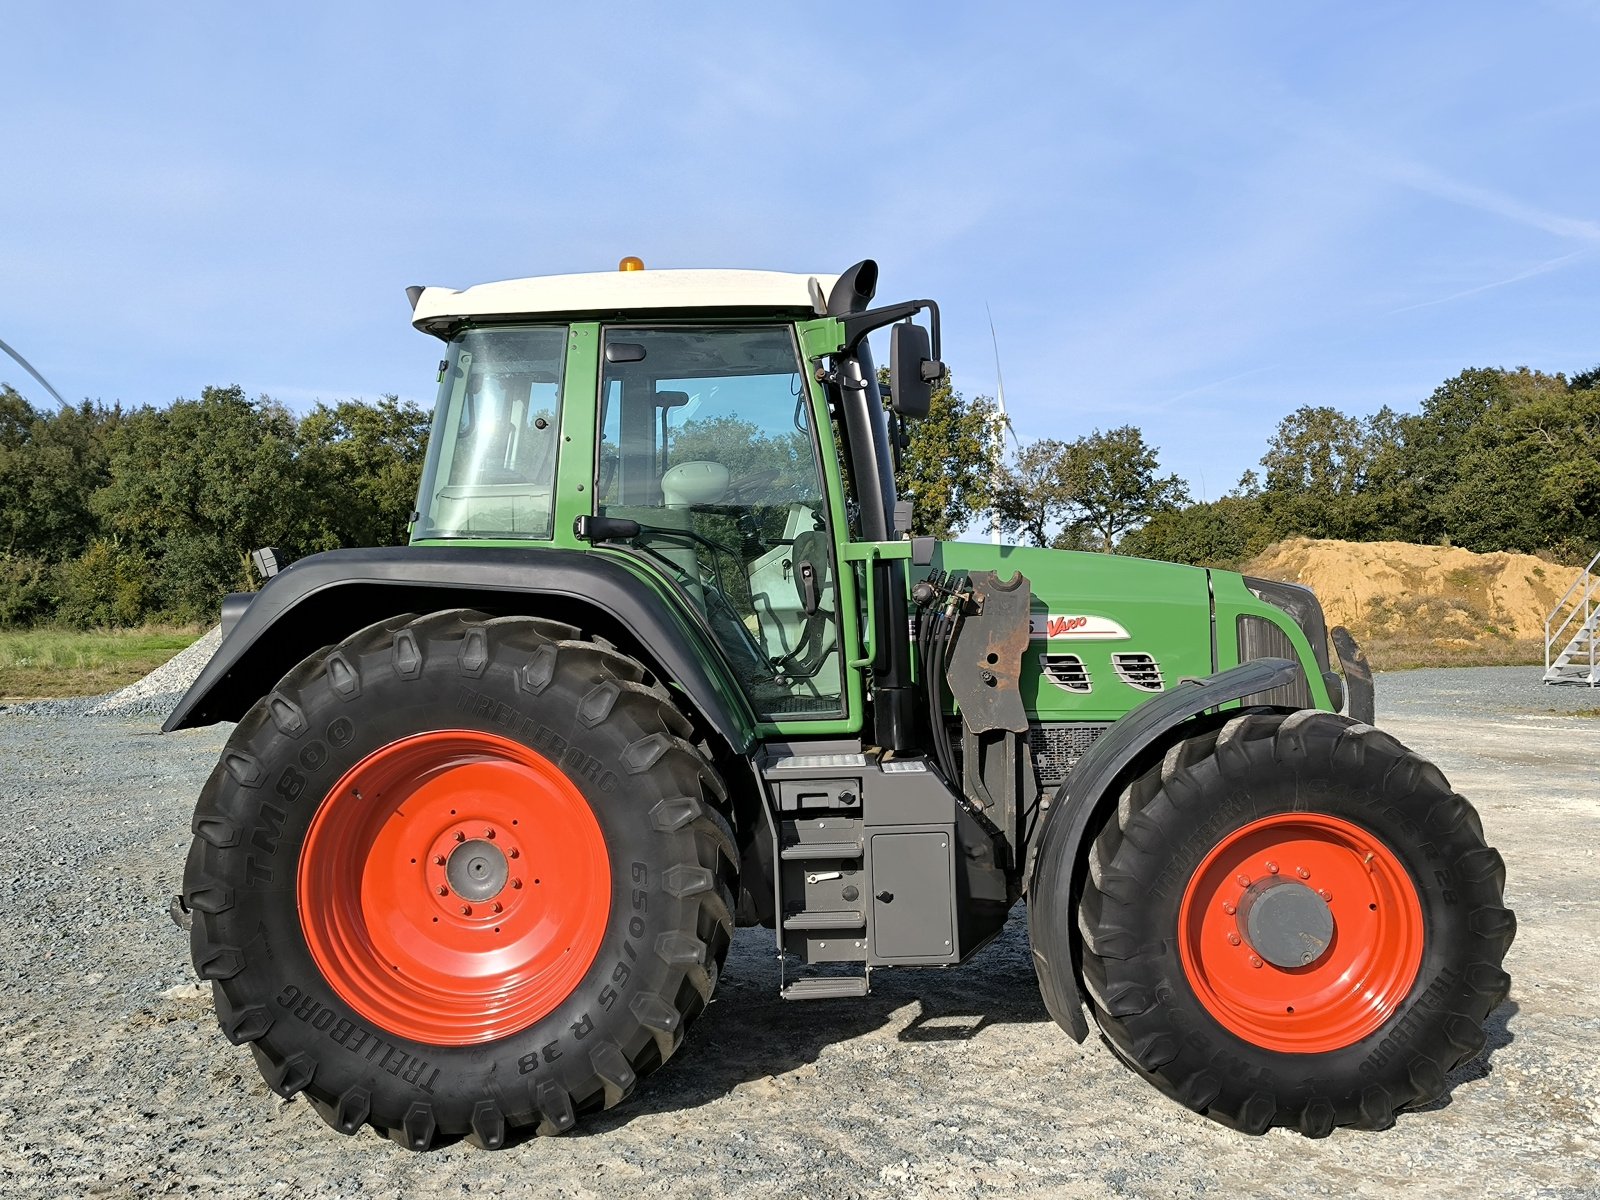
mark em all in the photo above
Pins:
pixel 1365 1021
pixel 357 939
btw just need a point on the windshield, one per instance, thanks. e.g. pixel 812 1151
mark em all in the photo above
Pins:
pixel 705 440
pixel 491 464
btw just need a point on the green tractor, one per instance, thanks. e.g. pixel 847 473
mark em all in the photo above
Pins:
pixel 662 659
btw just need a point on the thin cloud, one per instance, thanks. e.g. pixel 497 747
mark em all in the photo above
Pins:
pixel 1434 183
pixel 1212 386
pixel 1543 268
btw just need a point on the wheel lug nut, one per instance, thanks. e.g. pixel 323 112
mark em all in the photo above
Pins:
pixel 1242 880
pixel 1302 872
pixel 460 837
pixel 498 907
pixel 1233 939
pixel 489 833
pixel 516 883
pixel 438 860
pixel 513 853
pixel 1325 893
pixel 1254 961
pixel 442 890
pixel 1227 907
pixel 1272 868
pixel 466 910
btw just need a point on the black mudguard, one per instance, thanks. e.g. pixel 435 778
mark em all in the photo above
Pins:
pixel 1059 859
pixel 321 599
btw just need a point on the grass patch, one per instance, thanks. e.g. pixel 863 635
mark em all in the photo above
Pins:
pixel 49 663
pixel 1405 654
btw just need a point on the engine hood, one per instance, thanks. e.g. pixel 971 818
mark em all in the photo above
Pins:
pixel 1108 631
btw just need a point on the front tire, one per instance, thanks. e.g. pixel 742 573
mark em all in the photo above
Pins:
pixel 461 877
pixel 1294 921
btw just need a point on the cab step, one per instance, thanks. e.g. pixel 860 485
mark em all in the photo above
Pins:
pixel 809 850
pixel 825 987
pixel 850 919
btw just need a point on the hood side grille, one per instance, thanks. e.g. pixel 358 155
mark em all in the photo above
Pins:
pixel 1066 671
pixel 1139 671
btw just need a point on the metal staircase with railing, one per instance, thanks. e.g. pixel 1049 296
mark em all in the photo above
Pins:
pixel 1575 618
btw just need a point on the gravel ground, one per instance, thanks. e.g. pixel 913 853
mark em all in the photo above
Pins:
pixel 115 1081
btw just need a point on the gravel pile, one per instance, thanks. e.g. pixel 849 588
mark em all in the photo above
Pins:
pixel 157 693
pixel 114 1079
pixel 153 696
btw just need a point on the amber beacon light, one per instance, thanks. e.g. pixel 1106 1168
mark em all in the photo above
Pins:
pixel 631 264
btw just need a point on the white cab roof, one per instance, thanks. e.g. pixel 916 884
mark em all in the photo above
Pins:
pixel 631 292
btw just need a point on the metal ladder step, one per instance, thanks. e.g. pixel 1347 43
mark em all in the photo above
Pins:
pixel 1578 661
pixel 825 987
pixel 807 850
pixel 847 919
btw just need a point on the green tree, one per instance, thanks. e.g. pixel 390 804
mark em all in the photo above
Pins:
pixel 196 485
pixel 1118 489
pixel 51 463
pixel 1089 492
pixel 950 467
pixel 1528 475
pixel 1317 466
pixel 362 464
pixel 1433 445
pixel 1219 533
pixel 1036 497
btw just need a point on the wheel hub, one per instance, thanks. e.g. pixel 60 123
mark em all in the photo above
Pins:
pixel 1285 922
pixel 454 887
pixel 1301 932
pixel 477 870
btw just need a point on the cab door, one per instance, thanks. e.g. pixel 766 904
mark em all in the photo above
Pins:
pixel 705 438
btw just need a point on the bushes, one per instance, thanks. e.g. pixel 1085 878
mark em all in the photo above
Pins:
pixel 115 518
pixel 27 589
pixel 108 584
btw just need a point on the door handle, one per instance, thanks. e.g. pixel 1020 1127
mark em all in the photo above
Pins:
pixel 810 597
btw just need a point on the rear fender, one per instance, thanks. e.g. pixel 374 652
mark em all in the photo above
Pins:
pixel 322 599
pixel 1058 852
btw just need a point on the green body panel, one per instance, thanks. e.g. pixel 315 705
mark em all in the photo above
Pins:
pixel 1165 609
pixel 575 465
pixel 1083 603
pixel 1233 600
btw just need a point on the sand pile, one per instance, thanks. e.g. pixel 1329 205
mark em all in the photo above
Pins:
pixel 1425 604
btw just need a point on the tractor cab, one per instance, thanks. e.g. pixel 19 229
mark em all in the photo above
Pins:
pixel 690 433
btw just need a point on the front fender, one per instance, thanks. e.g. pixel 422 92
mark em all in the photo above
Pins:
pixel 1053 885
pixel 322 599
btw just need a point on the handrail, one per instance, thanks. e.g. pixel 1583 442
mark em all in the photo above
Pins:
pixel 1586 580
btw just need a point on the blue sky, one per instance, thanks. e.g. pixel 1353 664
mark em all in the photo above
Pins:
pixel 1190 217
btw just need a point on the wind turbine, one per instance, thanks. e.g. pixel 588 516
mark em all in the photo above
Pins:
pixel 28 367
pixel 1005 421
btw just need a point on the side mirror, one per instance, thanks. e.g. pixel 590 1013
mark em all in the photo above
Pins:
pixel 912 370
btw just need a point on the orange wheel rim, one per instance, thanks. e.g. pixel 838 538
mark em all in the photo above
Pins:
pixel 454 887
pixel 1355 970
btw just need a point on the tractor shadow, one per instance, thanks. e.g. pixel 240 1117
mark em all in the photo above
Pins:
pixel 750 1034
